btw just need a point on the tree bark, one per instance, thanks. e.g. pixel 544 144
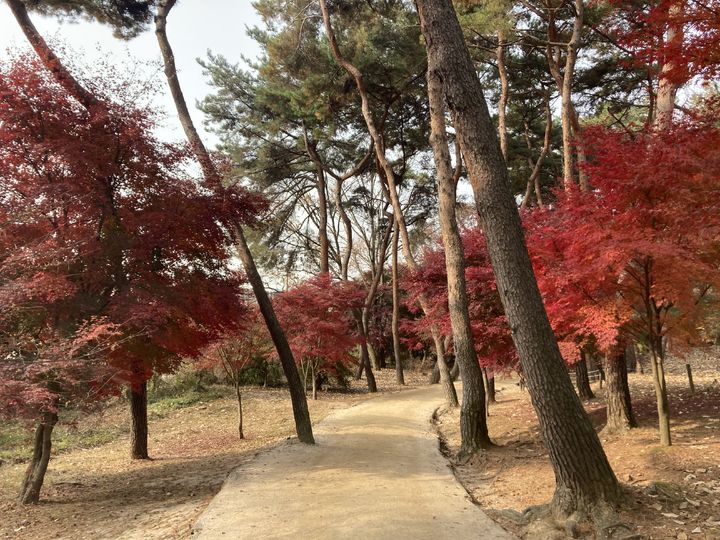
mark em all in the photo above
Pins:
pixel 448 387
pixel 657 363
pixel 395 325
pixel 620 415
pixel 238 394
pixel 584 479
pixel 35 473
pixel 534 178
pixel 139 430
pixel 667 88
pixel 582 378
pixel 473 418
pixel 321 185
pixel 49 59
pixel 303 425
pixel 504 87
pixel 691 383
pixel 489 381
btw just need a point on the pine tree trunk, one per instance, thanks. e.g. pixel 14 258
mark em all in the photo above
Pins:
pixel 451 399
pixel 139 430
pixel 489 381
pixel 473 426
pixel 399 374
pixel 584 478
pixel 434 377
pixel 35 473
pixel 582 378
pixel 455 371
pixel 303 426
pixel 620 415
pixel 374 362
pixel 238 394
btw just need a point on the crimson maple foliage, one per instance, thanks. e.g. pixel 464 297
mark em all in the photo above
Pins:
pixel 109 244
pixel 318 316
pixel 491 333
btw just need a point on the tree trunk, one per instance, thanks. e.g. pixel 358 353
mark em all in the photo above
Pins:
pixel 451 399
pixel 502 102
pixel 374 362
pixel 314 381
pixel 139 431
pixel 303 426
pixel 489 381
pixel 691 384
pixel 35 473
pixel 620 415
pixel 321 186
pixel 631 359
pixel 365 363
pixel 455 371
pixel 582 378
pixel 238 394
pixel 434 377
pixel 473 426
pixel 584 479
pixel 534 179
pixel 663 405
pixel 399 374
pixel 667 87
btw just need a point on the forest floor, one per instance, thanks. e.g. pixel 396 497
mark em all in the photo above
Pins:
pixel 672 492
pixel 99 493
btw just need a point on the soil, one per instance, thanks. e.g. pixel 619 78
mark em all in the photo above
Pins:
pixel 99 493
pixel 672 492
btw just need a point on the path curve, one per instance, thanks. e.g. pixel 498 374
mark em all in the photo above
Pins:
pixel 376 472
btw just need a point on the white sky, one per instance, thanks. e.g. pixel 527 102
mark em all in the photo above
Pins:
pixel 194 27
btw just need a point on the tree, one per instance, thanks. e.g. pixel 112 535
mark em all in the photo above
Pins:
pixel 318 316
pixel 584 479
pixel 234 352
pixel 638 260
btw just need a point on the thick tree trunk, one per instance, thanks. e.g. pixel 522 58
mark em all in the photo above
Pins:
pixel 455 371
pixel 139 429
pixel 303 425
pixel 620 415
pixel 374 362
pixel 434 377
pixel 631 359
pixel 399 374
pixel 473 426
pixel 582 378
pixel 584 479
pixel 35 473
pixel 238 395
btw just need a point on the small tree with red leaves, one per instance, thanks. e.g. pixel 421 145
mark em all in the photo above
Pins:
pixel 318 318
pixel 491 333
pixel 236 351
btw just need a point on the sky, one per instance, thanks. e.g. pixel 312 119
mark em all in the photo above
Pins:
pixel 194 27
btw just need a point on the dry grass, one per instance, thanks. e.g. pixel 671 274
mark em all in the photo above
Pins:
pixel 99 492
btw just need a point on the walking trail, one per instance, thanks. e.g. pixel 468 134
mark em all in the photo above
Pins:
pixel 376 472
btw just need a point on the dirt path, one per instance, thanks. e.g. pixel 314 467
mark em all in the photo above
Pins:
pixel 376 472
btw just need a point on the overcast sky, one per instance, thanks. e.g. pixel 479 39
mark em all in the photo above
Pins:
pixel 194 26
